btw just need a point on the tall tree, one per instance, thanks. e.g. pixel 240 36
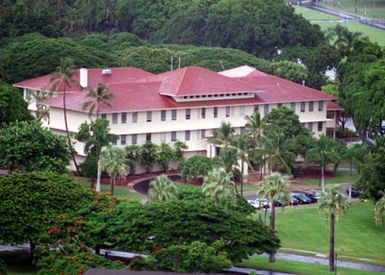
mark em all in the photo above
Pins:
pixel 60 81
pixel 218 186
pixel 102 95
pixel 165 155
pixel 162 189
pixel 242 145
pixel 223 135
pixel 323 153
pixel 113 161
pixel 254 126
pixel 275 188
pixel 333 203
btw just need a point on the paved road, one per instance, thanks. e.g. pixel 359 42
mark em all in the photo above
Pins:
pixel 347 16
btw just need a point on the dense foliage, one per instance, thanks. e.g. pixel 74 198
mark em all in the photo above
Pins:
pixel 31 202
pixel 30 147
pixel 198 166
pixel 12 105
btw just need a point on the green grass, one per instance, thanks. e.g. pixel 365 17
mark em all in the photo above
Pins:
pixel 298 267
pixel 349 6
pixel 341 177
pixel 121 192
pixel 17 263
pixel 374 34
pixel 310 14
pixel 357 236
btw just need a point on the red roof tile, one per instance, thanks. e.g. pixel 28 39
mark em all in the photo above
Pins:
pixel 331 106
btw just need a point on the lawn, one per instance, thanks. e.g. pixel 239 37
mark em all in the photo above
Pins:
pixel 310 14
pixel 377 11
pixel 341 177
pixel 374 34
pixel 298 267
pixel 121 192
pixel 17 263
pixel 304 228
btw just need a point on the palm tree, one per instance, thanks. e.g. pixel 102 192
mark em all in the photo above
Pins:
pixel 323 153
pixel 64 78
pixel 277 153
pixel 275 188
pixel 333 203
pixel 229 157
pixel 113 161
pixel 218 186
pixel 223 135
pixel 379 210
pixel 254 126
pixel 101 95
pixel 343 38
pixel 353 155
pixel 242 145
pixel 162 189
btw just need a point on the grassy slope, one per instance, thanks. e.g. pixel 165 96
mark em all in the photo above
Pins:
pixel 348 6
pixel 298 267
pixel 341 177
pixel 357 236
pixel 310 14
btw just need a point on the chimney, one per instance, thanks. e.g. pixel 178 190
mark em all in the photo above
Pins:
pixel 83 78
pixel 303 82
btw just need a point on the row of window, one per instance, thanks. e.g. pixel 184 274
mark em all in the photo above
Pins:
pixel 310 125
pixel 203 112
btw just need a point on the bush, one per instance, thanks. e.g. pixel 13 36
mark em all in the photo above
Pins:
pixel 198 166
pixel 194 257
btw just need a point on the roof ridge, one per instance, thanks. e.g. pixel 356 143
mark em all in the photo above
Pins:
pixel 181 79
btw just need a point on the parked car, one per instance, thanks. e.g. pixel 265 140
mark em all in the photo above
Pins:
pixel 310 196
pixel 256 204
pixel 302 198
pixel 316 194
pixel 356 192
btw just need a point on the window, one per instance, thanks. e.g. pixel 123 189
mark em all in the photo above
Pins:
pixel 266 109
pixel 320 106
pixel 114 141
pixel 173 136
pixel 203 112
pixel 123 140
pixel 188 113
pixel 187 135
pixel 114 118
pixel 311 106
pixel 173 114
pixel 241 130
pixel 303 105
pixel 215 111
pixel 104 116
pixel 134 139
pixel 162 137
pixel 163 115
pixel 292 106
pixel 149 116
pixel 203 134
pixel 279 105
pixel 320 126
pixel 227 110
pixel 256 108
pixel 135 117
pixel 310 126
pixel 124 117
pixel 148 137
pixel 330 114
pixel 242 111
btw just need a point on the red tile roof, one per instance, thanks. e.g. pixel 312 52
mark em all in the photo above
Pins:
pixel 331 106
pixel 135 89
pixel 196 81
pixel 118 75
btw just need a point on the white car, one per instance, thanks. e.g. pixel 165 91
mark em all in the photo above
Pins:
pixel 256 203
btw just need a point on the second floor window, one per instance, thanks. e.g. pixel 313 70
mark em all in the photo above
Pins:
pixel 173 114
pixel 124 117
pixel 266 109
pixel 173 136
pixel 104 116
pixel 256 108
pixel 320 106
pixel 203 112
pixel 149 116
pixel 303 105
pixel 292 106
pixel 215 111
pixel 311 106
pixel 279 105
pixel 188 113
pixel 163 115
pixel 330 114
pixel 134 117
pixel 227 111
pixel 114 118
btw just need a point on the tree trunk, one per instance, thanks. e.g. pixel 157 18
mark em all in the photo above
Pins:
pixel 260 221
pixel 242 171
pixel 272 227
pixel 356 7
pixel 350 180
pixel 112 183
pixel 331 250
pixel 68 134
pixel 265 217
pixel 323 178
pixel 97 250
pixel 32 248
pixel 98 178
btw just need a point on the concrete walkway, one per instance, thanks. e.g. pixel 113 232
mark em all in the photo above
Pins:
pixel 346 16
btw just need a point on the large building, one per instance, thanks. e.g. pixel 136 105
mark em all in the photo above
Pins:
pixel 184 104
